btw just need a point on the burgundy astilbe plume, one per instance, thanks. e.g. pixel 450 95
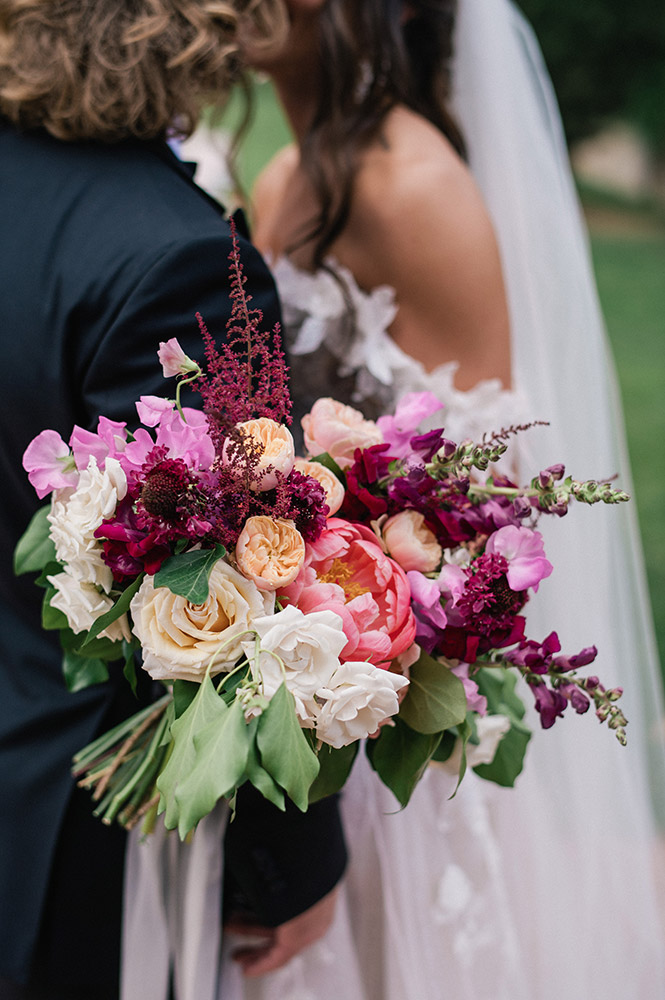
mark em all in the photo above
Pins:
pixel 247 376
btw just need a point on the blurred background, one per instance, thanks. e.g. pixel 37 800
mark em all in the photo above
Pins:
pixel 607 61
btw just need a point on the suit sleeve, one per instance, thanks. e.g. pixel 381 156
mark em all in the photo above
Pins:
pixel 278 863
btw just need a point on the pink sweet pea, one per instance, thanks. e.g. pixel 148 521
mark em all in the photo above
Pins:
pixel 151 409
pixel 475 701
pixel 108 441
pixel 525 552
pixel 347 572
pixel 411 410
pixel 184 439
pixel 48 462
pixel 173 359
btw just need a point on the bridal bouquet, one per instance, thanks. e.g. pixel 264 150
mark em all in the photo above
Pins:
pixel 293 607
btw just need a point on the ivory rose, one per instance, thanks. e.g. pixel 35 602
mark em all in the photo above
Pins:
pixel 357 700
pixel 331 484
pixel 347 571
pixel 278 450
pixel 82 604
pixel 181 640
pixel 300 650
pixel 411 543
pixel 270 552
pixel 338 429
pixel 74 518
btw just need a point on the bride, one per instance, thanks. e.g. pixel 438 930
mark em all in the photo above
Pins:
pixel 380 223
pixel 425 235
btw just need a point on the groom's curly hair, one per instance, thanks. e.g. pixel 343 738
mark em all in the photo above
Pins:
pixel 375 54
pixel 107 70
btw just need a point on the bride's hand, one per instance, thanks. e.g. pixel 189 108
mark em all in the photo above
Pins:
pixel 269 948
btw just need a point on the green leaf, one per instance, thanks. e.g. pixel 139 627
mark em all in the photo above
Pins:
pixel 35 547
pixel 498 686
pixel 83 671
pixel 260 778
pixel 285 753
pixel 129 669
pixel 52 617
pixel 120 607
pixel 205 707
pixel 220 761
pixel 99 649
pixel 184 693
pixel 187 574
pixel 446 746
pixel 435 699
pixel 399 755
pixel 334 768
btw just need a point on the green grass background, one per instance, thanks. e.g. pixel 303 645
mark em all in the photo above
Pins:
pixel 628 246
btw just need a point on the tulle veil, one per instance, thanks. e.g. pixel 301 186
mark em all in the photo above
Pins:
pixel 561 878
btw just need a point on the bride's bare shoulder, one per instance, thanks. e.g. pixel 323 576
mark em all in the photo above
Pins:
pixel 271 184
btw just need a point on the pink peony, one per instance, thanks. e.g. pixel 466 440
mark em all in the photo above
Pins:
pixel 347 572
pixel 49 465
pixel 524 550
pixel 338 429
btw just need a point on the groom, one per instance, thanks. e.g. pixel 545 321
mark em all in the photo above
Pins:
pixel 107 247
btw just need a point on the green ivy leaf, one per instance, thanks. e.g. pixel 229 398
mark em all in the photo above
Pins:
pixel 399 755
pixel 220 761
pixel 120 607
pixel 35 547
pixel 83 671
pixel 285 753
pixel 187 574
pixel 435 699
pixel 205 707
pixel 334 768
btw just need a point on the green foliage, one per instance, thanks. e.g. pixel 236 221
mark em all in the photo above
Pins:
pixel 285 752
pixel 120 608
pixel 498 686
pixel 187 574
pixel 334 768
pixel 399 755
pixel 35 548
pixel 82 671
pixel 435 700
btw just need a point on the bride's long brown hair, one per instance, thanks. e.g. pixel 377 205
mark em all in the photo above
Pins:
pixel 375 54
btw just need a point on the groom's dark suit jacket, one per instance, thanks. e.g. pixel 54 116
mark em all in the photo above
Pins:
pixel 104 252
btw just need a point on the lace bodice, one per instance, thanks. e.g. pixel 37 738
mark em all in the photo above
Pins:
pixel 339 345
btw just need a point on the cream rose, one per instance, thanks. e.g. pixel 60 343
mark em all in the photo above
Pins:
pixel 270 552
pixel 278 450
pixel 411 543
pixel 358 699
pixel 331 484
pixel 338 429
pixel 181 640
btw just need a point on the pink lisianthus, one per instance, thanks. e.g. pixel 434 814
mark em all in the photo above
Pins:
pixel 49 464
pixel 412 409
pixel 173 359
pixel 524 550
pixel 109 441
pixel 347 572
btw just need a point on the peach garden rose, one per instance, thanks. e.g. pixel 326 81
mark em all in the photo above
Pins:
pixel 270 551
pixel 278 450
pixel 411 543
pixel 331 484
pixel 338 429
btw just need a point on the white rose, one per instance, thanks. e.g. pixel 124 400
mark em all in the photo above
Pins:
pixel 181 640
pixel 82 604
pixel 76 516
pixel 358 699
pixel 300 650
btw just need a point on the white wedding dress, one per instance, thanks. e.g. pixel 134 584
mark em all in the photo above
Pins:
pixel 552 890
